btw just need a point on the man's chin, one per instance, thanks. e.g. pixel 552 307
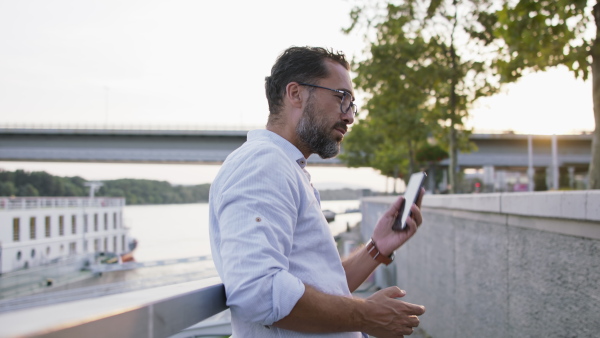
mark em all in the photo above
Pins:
pixel 330 154
pixel 328 157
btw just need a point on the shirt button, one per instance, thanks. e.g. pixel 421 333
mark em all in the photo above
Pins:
pixel 258 219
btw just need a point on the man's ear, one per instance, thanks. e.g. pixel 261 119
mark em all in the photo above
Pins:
pixel 293 94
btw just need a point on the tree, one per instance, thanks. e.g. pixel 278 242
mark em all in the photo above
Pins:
pixel 539 34
pixel 27 190
pixel 7 189
pixel 424 70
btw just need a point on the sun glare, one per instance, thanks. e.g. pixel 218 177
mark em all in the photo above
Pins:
pixel 553 102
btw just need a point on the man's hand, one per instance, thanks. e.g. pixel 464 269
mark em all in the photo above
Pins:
pixel 388 240
pixel 389 317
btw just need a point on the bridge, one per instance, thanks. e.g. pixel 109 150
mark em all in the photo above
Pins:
pixel 211 146
pixel 124 145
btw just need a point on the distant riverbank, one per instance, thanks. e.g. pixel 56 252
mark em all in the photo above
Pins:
pixel 136 191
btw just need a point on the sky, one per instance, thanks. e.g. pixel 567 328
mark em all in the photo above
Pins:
pixel 202 64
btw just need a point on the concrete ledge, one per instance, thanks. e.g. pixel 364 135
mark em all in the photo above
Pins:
pixel 574 213
pixel 576 205
pixel 593 205
pixel 469 215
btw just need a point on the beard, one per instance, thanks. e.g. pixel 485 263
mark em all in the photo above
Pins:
pixel 316 135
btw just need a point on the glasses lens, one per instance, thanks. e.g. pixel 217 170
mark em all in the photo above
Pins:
pixel 348 106
pixel 346 103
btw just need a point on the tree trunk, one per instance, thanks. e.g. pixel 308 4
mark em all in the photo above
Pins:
pixel 395 178
pixel 594 173
pixel 453 160
pixel 452 137
pixel 411 159
pixel 453 108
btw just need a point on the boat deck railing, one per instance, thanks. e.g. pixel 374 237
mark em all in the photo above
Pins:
pixel 16 203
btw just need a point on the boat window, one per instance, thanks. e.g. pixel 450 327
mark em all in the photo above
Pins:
pixel 32 253
pixel 73 224
pixel 16 229
pixel 105 221
pixel 95 222
pixel 19 255
pixel 114 220
pixel 61 225
pixel 32 228
pixel 47 221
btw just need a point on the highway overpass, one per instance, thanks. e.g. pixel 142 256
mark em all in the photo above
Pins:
pixel 502 151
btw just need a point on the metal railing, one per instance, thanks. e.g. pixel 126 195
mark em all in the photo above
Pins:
pixel 129 126
pixel 14 203
pixel 155 312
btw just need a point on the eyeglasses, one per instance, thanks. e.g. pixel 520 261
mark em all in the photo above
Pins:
pixel 346 105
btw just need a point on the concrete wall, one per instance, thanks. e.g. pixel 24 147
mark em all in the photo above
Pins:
pixel 501 265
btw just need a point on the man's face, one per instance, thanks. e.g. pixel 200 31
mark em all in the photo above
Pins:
pixel 322 125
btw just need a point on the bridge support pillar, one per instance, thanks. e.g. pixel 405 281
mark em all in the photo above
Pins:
pixel 571 177
pixel 489 180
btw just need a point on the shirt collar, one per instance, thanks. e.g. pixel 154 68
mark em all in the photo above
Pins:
pixel 288 148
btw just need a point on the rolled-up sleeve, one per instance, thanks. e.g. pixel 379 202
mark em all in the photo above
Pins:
pixel 257 213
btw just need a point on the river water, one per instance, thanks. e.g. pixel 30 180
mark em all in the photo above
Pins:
pixel 181 230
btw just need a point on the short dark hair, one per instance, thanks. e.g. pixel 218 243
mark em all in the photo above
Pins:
pixel 300 64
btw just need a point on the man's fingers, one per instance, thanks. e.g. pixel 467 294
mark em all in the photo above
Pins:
pixel 415 309
pixel 416 214
pixel 407 308
pixel 420 199
pixel 393 292
pixel 413 321
pixel 395 209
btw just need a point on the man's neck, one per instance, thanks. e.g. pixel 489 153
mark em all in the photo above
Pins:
pixel 290 135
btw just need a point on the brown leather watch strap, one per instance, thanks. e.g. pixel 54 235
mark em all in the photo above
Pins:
pixel 374 252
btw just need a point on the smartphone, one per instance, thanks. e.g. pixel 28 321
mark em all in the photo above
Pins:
pixel 411 195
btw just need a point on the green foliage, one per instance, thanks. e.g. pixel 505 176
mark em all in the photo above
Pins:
pixel 431 153
pixel 422 76
pixel 360 145
pixel 538 34
pixel 137 191
pixel 543 33
pixel 39 183
pixel 21 183
pixel 7 189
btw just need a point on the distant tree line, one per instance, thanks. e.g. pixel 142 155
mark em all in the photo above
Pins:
pixel 135 191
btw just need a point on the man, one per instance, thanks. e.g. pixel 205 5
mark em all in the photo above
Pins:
pixel 270 242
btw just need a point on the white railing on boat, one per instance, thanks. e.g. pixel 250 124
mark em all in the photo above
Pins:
pixel 14 203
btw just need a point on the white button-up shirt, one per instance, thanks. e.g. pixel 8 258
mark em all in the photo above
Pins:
pixel 269 236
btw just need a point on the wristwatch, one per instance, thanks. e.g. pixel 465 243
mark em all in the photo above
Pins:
pixel 374 252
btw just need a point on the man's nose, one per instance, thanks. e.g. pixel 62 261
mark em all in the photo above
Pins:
pixel 348 118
